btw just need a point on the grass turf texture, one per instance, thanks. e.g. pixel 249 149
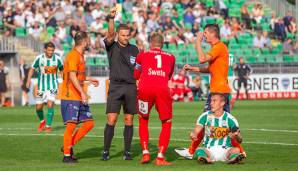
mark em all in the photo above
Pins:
pixel 22 148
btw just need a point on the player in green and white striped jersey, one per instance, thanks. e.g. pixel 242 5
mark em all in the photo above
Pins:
pixel 221 132
pixel 47 65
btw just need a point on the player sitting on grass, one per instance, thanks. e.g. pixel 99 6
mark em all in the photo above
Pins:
pixel 222 136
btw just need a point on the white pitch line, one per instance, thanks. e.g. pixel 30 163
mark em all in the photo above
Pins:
pixel 182 128
pixel 174 139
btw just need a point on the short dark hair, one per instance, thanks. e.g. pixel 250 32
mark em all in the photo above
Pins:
pixel 222 95
pixel 122 27
pixel 213 28
pixel 79 37
pixel 156 39
pixel 49 44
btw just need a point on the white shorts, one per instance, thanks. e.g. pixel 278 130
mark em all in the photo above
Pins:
pixel 44 96
pixel 218 153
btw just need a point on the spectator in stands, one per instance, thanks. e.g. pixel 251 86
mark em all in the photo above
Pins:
pixel 19 18
pixel 127 6
pixel 44 36
pixel 97 25
pixel 178 23
pixel 280 30
pixel 68 8
pixel 287 47
pixel 257 13
pixel 88 16
pixel 74 28
pixel 199 13
pixel 225 30
pixel 236 27
pixel 3 82
pixel 97 11
pixel 61 31
pixel 195 29
pixel 287 20
pixel 188 16
pixel 152 24
pixel 267 40
pixel 179 39
pixel 168 24
pixel 188 35
pixel 35 30
pixel 59 13
pixel 293 26
pixel 56 41
pixel 258 41
pixel 223 8
pixel 8 21
pixel 273 21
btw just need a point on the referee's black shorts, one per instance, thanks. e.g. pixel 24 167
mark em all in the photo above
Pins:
pixel 122 94
pixel 242 80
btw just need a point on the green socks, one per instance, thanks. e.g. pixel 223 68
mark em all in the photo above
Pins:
pixel 40 114
pixel 50 116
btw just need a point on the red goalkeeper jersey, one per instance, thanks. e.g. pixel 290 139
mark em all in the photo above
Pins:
pixel 154 68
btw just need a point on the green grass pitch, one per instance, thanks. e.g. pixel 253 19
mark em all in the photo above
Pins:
pixel 269 129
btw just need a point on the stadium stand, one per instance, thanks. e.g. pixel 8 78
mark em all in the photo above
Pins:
pixel 240 22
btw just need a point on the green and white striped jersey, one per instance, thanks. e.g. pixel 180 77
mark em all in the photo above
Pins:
pixel 47 69
pixel 217 129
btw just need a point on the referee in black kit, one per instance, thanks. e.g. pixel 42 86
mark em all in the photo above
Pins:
pixel 242 71
pixel 122 89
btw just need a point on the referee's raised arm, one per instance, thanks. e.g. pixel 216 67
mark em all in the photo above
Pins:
pixel 111 32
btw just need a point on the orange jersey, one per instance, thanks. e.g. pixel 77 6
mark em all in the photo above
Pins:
pixel 218 68
pixel 74 61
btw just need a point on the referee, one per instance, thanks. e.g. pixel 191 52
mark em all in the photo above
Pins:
pixel 122 89
pixel 242 71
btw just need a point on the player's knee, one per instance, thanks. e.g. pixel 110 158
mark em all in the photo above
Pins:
pixel 50 104
pixel 128 120
pixel 39 107
pixel 112 120
pixel 167 121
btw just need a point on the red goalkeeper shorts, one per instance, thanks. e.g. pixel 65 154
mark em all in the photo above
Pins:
pixel 160 97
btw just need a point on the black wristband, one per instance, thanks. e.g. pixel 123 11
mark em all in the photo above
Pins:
pixel 109 17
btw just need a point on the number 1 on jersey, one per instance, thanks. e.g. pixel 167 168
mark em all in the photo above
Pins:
pixel 158 57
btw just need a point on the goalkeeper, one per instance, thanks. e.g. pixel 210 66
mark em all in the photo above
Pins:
pixel 222 136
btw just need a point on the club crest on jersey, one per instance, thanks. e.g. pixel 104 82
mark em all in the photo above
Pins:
pixel 132 60
pixel 224 123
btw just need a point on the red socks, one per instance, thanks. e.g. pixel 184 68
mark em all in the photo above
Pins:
pixel 164 138
pixel 144 133
pixel 195 143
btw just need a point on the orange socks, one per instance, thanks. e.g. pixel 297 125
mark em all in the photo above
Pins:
pixel 71 138
pixel 70 128
pixel 81 132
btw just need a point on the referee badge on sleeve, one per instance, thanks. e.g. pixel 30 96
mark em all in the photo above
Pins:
pixel 132 60
pixel 143 107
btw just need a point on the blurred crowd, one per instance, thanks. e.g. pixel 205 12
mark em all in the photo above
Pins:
pixel 178 20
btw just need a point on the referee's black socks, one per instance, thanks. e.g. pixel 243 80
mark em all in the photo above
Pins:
pixel 127 134
pixel 108 136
